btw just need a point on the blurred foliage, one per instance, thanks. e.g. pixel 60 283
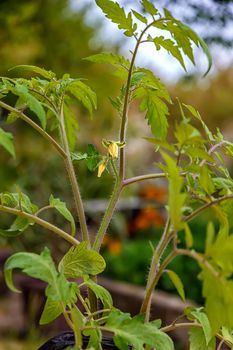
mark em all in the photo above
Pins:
pixel 212 98
pixel 203 15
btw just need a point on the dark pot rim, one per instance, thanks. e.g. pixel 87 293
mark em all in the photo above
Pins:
pixel 65 339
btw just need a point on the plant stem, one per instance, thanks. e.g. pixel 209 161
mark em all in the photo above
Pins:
pixel 206 206
pixel 41 222
pixel 152 278
pixel 108 215
pixel 175 326
pixel 201 259
pixel 73 180
pixel 120 179
pixel 132 180
pixel 35 126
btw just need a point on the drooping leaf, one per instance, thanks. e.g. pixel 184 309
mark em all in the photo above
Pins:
pixel 51 311
pixel 17 227
pixel 203 320
pixel 197 340
pixel 6 140
pixel 177 283
pixel 100 292
pixel 134 332
pixel 116 14
pixel 31 102
pixel 37 266
pixel 62 209
pixel 170 47
pixel 83 94
pixel 34 69
pixel 184 36
pixel 80 261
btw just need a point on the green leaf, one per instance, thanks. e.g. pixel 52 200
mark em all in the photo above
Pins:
pixel 62 209
pixel 100 292
pixel 199 42
pixel 37 266
pixel 149 7
pixel 34 69
pixel 31 102
pixel 156 114
pixel 6 140
pixel 19 201
pixel 227 335
pixel 141 18
pixel 206 181
pixel 188 236
pixel 80 261
pixel 116 14
pixel 134 332
pixel 177 283
pixel 176 198
pixel 203 320
pixel 197 340
pixel 170 47
pixel 18 226
pixel 52 310
pixel 210 235
pixel 197 115
pixel 184 37
pixel 95 338
pixel 71 125
pixel 84 94
pixel 109 58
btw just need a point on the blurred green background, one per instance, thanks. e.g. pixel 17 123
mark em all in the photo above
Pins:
pixel 57 35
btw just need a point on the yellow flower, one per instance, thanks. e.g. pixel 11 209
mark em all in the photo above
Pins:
pixel 113 150
pixel 101 169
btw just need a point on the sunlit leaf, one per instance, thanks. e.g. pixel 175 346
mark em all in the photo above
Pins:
pixel 6 140
pixel 80 261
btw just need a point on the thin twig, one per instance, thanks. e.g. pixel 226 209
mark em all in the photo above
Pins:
pixel 35 126
pixel 40 222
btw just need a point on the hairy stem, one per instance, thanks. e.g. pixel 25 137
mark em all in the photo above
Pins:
pixel 206 206
pixel 120 179
pixel 40 222
pixel 73 180
pixel 35 126
pixel 108 215
pixel 154 267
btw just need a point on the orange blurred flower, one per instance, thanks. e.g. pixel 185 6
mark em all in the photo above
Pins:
pixel 148 217
pixel 152 192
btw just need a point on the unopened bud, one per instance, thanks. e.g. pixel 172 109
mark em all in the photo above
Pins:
pixel 101 169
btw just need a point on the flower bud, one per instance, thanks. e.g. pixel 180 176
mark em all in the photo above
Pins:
pixel 101 169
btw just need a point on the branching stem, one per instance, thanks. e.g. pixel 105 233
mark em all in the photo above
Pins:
pixel 41 222
pixel 35 126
